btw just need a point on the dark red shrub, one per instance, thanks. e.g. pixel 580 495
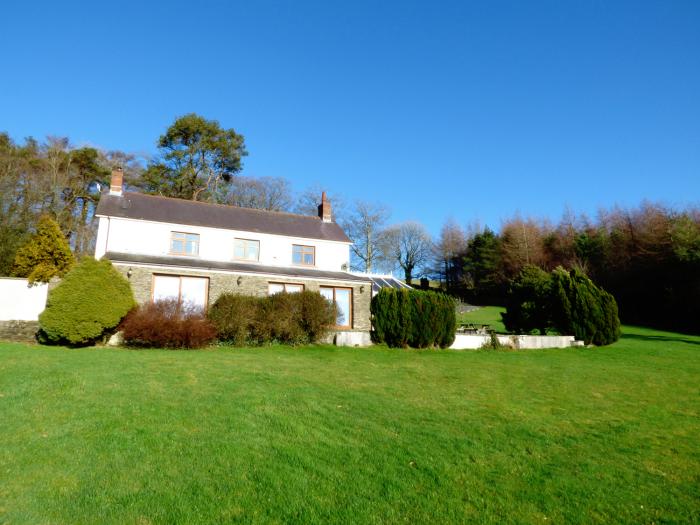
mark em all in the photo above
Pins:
pixel 166 324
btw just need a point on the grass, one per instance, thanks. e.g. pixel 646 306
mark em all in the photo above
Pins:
pixel 337 435
pixel 490 315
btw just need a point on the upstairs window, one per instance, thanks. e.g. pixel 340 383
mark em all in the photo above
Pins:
pixel 184 243
pixel 305 255
pixel 246 249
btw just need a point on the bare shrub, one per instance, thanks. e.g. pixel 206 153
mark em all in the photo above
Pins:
pixel 168 324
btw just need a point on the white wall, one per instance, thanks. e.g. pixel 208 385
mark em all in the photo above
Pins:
pixel 518 342
pixel 18 302
pixel 153 238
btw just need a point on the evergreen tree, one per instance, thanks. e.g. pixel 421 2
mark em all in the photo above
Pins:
pixel 45 255
pixel 91 300
pixel 528 302
pixel 483 269
pixel 198 160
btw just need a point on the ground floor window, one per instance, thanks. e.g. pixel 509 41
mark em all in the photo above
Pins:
pixel 342 297
pixel 274 288
pixel 190 291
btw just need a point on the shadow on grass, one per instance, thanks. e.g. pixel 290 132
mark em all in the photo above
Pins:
pixel 661 338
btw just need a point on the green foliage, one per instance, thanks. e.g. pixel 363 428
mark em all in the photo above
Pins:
pixel 89 302
pixel 198 159
pixel 567 301
pixel 234 317
pixel 483 269
pixel 415 318
pixel 582 309
pixel 528 305
pixel 289 318
pixel 11 239
pixel 45 255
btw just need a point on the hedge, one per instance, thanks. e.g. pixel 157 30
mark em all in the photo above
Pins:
pixel 415 318
pixel 288 318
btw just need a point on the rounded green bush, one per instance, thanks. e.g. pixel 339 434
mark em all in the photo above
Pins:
pixel 89 302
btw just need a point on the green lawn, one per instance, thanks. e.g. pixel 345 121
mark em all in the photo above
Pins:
pixel 329 435
pixel 490 315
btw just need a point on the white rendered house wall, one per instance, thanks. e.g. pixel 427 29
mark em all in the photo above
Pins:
pixel 153 238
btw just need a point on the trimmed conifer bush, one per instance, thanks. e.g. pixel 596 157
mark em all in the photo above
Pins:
pixel 566 301
pixel 86 305
pixel 415 318
pixel 582 309
pixel 45 255
pixel 528 302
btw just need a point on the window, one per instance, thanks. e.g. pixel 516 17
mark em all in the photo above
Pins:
pixel 184 243
pixel 305 255
pixel 246 249
pixel 189 291
pixel 274 288
pixel 342 297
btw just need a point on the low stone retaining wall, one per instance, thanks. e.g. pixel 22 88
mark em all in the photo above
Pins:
pixel 19 331
pixel 518 342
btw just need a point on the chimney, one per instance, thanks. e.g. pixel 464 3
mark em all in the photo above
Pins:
pixel 115 187
pixel 324 209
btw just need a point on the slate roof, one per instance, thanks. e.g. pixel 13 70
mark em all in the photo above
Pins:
pixel 132 205
pixel 197 263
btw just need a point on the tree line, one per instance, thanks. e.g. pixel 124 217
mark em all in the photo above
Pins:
pixel 648 257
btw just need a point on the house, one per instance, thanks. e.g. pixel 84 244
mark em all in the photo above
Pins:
pixel 195 251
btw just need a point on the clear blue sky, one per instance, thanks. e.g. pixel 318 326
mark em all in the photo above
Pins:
pixel 468 109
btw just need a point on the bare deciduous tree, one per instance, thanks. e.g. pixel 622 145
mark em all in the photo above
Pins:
pixel 307 203
pixel 264 193
pixel 409 246
pixel 365 226
pixel 522 244
pixel 449 245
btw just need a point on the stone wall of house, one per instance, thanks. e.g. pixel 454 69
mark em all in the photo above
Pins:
pixel 142 282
